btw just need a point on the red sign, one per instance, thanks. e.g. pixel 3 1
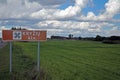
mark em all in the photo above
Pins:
pixel 23 35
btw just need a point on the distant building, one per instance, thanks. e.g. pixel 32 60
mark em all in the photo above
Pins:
pixel 70 37
pixel 58 37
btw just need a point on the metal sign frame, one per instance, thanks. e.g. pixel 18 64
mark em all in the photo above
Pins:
pixel 10 57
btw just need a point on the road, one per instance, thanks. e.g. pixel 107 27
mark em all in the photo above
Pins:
pixel 2 44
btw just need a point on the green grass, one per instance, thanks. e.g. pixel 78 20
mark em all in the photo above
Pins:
pixel 23 65
pixel 63 60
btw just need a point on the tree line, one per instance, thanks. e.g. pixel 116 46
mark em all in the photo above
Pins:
pixel 111 39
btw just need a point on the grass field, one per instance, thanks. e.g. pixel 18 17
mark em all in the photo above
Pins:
pixel 62 60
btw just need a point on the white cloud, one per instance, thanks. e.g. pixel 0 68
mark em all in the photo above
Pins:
pixel 77 28
pixel 49 2
pixel 43 14
pixel 70 20
pixel 2 28
pixel 3 1
pixel 70 11
pixel 64 24
pixel 111 9
pixel 16 8
pixel 114 31
pixel 33 9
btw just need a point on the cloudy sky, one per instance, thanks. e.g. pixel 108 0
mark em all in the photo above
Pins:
pixel 86 18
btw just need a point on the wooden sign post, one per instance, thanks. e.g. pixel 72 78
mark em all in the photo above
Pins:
pixel 24 35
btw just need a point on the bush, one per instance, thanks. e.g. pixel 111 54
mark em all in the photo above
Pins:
pixel 111 41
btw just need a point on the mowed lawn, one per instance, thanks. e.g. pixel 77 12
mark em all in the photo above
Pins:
pixel 63 60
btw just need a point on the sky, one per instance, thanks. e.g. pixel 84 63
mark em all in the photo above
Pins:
pixel 85 18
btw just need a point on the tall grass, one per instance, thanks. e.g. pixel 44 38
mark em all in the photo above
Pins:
pixel 63 60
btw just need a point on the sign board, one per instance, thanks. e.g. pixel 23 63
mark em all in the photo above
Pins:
pixel 23 35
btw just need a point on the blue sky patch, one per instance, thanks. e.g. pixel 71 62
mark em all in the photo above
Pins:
pixel 66 4
pixel 97 6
